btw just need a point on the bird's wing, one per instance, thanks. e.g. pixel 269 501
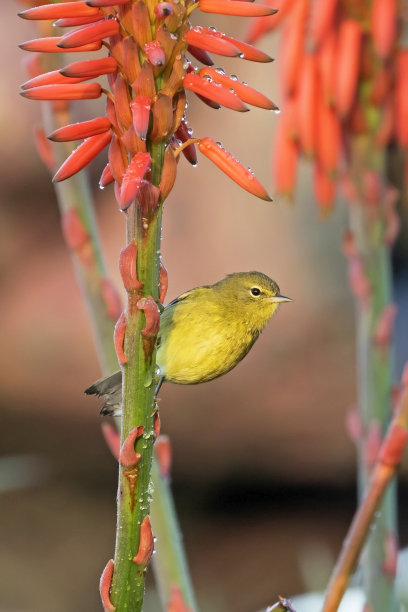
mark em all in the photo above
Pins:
pixel 180 298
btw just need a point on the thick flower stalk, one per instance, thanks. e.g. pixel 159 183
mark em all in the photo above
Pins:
pixel 144 129
pixel 345 87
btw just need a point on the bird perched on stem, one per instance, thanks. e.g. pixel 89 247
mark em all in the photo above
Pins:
pixel 204 333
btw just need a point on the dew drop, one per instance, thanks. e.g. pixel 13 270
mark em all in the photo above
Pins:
pixel 212 28
pixel 234 77
pixel 190 131
pixel 219 144
pixel 220 70
pixel 241 55
pixel 277 111
pixel 101 186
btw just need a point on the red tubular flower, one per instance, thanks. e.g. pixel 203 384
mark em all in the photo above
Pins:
pixel 236 7
pixel 60 10
pixel 106 177
pixel 50 45
pixel 347 64
pixel 212 91
pixel 308 104
pixel 201 55
pixel 70 22
pixel 233 168
pixel 248 52
pixel 90 68
pixel 89 34
pixel 321 20
pixel 140 107
pixel 78 91
pixel 51 78
pixel 78 131
pixel 81 157
pixel 383 26
pixel 132 178
pixel 246 93
pixel 210 40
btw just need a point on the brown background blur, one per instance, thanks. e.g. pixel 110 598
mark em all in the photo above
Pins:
pixel 263 468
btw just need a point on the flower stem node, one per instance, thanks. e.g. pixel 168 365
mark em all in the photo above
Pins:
pixel 119 338
pixel 105 585
pixel 128 268
pixel 146 543
pixel 152 314
pixel 128 457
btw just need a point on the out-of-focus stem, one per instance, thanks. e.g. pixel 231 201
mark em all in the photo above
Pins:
pixel 382 474
pixel 75 194
pixel 374 372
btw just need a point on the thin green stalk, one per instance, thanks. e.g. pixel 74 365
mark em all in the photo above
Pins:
pixel 135 489
pixel 75 193
pixel 374 376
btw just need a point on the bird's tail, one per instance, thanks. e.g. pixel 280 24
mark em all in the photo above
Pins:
pixel 111 388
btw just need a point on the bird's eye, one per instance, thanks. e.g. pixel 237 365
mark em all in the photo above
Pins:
pixel 255 291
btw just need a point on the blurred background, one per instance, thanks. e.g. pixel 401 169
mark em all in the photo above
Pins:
pixel 263 469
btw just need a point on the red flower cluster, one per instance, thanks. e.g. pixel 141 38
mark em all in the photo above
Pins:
pixel 148 72
pixel 342 75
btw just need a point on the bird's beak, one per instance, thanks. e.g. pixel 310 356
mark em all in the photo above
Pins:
pixel 280 298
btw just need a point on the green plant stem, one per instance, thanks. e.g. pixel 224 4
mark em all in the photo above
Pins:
pixel 75 193
pixel 135 490
pixel 374 374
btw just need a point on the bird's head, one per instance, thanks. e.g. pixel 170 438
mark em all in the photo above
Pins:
pixel 254 294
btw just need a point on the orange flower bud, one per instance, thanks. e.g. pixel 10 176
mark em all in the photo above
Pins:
pixel 232 167
pixel 205 87
pixel 154 53
pixel 116 161
pixel 308 105
pixel 90 68
pixel 140 108
pixel 211 40
pixel 292 46
pixel 327 67
pixel 108 3
pixel 132 178
pixel 347 64
pixel 57 11
pixel 163 10
pixel 262 25
pixel 328 138
pixel 284 159
pixel 78 91
pixel 70 22
pixel 50 45
pixel 238 8
pixel 51 78
pixel 82 155
pixel 321 20
pixel 324 188
pixel 162 112
pixel 106 177
pixel 401 99
pixel 89 34
pixel 383 26
pixel 169 173
pixel 248 52
pixel 246 93
pixel 77 131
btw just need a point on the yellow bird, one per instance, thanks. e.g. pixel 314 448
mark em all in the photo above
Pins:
pixel 204 333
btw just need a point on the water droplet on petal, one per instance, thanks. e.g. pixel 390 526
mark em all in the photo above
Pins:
pixel 277 111
pixel 234 77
